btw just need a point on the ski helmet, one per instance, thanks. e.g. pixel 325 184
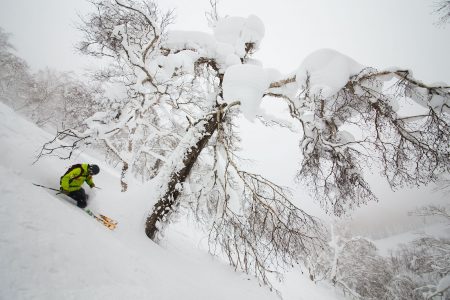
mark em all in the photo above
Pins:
pixel 93 169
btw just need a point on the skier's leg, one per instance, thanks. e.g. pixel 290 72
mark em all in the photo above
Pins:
pixel 80 197
pixel 81 203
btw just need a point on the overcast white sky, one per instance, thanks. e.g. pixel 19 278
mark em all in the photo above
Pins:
pixel 379 33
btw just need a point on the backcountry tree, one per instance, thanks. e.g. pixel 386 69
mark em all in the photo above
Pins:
pixel 175 119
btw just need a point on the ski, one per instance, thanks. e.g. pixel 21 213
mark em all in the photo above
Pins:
pixel 106 221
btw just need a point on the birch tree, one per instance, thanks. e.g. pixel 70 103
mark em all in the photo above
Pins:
pixel 177 119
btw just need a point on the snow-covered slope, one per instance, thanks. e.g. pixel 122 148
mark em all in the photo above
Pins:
pixel 50 249
pixel 387 245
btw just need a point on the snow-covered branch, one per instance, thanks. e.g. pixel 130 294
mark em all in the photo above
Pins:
pixel 442 8
pixel 60 148
pixel 408 148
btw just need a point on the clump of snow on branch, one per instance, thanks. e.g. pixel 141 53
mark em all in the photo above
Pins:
pixel 233 39
pixel 327 71
pixel 247 83
pixel 181 39
pixel 204 44
pixel 240 33
pixel 165 66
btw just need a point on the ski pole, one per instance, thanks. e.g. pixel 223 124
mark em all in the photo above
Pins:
pixel 96 187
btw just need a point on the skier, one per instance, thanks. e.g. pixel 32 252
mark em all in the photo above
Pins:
pixel 74 178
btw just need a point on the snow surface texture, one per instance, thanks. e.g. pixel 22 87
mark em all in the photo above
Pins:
pixel 50 249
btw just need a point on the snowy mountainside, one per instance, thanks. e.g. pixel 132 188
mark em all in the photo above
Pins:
pixel 50 249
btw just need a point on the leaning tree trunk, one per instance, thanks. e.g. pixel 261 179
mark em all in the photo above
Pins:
pixel 188 150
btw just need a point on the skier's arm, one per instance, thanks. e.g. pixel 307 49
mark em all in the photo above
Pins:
pixel 65 181
pixel 90 182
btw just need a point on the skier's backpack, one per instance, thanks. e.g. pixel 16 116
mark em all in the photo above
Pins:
pixel 73 167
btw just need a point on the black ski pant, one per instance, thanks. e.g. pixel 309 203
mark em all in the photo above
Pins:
pixel 79 196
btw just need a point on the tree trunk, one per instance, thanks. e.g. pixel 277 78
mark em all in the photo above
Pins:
pixel 169 197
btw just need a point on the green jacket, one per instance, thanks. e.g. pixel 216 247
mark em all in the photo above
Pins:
pixel 74 179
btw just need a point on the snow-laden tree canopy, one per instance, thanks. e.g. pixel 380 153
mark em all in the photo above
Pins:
pixel 175 119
